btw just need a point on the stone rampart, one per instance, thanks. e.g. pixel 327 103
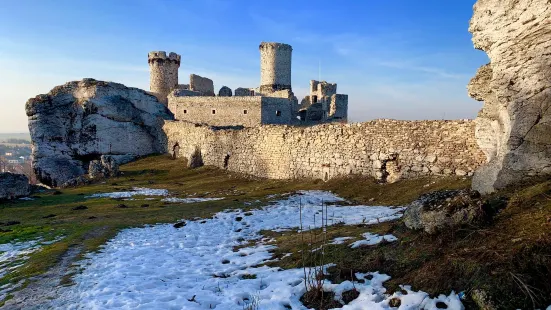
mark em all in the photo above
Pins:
pixel 201 84
pixel 385 149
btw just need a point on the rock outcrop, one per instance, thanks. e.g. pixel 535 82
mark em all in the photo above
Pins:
pixel 107 166
pixel 437 211
pixel 13 186
pixel 76 123
pixel 513 128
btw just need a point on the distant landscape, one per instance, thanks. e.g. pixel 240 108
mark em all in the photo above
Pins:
pixel 4 137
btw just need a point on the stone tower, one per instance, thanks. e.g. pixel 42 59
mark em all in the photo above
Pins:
pixel 275 66
pixel 163 74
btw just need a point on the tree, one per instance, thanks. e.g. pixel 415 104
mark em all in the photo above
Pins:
pixel 3 164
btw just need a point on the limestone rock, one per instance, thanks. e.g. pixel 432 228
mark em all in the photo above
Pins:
pixel 107 166
pixel 75 182
pixel 482 300
pixel 76 123
pixel 513 128
pixel 225 91
pixel 14 186
pixel 439 210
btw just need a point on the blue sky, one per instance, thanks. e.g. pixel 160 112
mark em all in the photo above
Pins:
pixel 397 59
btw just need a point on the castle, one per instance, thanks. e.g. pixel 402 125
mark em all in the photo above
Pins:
pixel 273 102
pixel 242 131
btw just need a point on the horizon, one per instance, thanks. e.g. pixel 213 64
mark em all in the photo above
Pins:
pixel 397 60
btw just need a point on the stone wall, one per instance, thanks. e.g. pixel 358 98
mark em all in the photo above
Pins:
pixel 385 149
pixel 245 111
pixel 241 91
pixel 201 84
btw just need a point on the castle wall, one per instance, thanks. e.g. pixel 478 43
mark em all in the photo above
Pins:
pixel 339 106
pixel 245 111
pixel 277 111
pixel 385 149
pixel 240 91
pixel 229 111
pixel 201 84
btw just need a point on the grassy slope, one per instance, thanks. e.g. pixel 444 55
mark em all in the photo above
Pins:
pixel 510 258
pixel 458 260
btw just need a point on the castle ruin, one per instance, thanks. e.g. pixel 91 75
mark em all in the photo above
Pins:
pixel 264 131
pixel 273 102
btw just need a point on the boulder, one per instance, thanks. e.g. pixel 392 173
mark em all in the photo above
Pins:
pixel 513 128
pixel 436 211
pixel 14 186
pixel 107 166
pixel 225 91
pixel 79 122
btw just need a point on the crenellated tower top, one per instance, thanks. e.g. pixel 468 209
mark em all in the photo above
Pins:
pixel 160 56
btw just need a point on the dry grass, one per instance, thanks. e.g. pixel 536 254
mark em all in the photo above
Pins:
pixel 509 258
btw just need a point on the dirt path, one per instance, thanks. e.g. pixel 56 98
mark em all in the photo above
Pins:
pixel 44 288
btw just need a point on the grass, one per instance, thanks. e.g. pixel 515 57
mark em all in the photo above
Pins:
pixel 88 229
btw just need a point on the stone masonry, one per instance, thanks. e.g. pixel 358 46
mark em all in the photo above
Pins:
pixel 201 84
pixel 385 149
pixel 275 64
pixel 276 102
pixel 248 111
pixel 163 73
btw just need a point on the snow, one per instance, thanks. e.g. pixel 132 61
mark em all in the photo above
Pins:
pixel 189 200
pixel 136 191
pixel 13 255
pixel 195 267
pixel 140 191
pixel 372 239
pixel 340 240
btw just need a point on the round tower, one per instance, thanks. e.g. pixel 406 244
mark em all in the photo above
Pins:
pixel 163 73
pixel 275 66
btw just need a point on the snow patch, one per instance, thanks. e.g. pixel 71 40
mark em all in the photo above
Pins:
pixel 189 200
pixel 340 240
pixel 14 255
pixel 195 267
pixel 372 239
pixel 136 191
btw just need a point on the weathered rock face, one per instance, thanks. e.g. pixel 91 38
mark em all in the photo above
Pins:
pixel 80 121
pixel 436 211
pixel 514 126
pixel 107 166
pixel 13 186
